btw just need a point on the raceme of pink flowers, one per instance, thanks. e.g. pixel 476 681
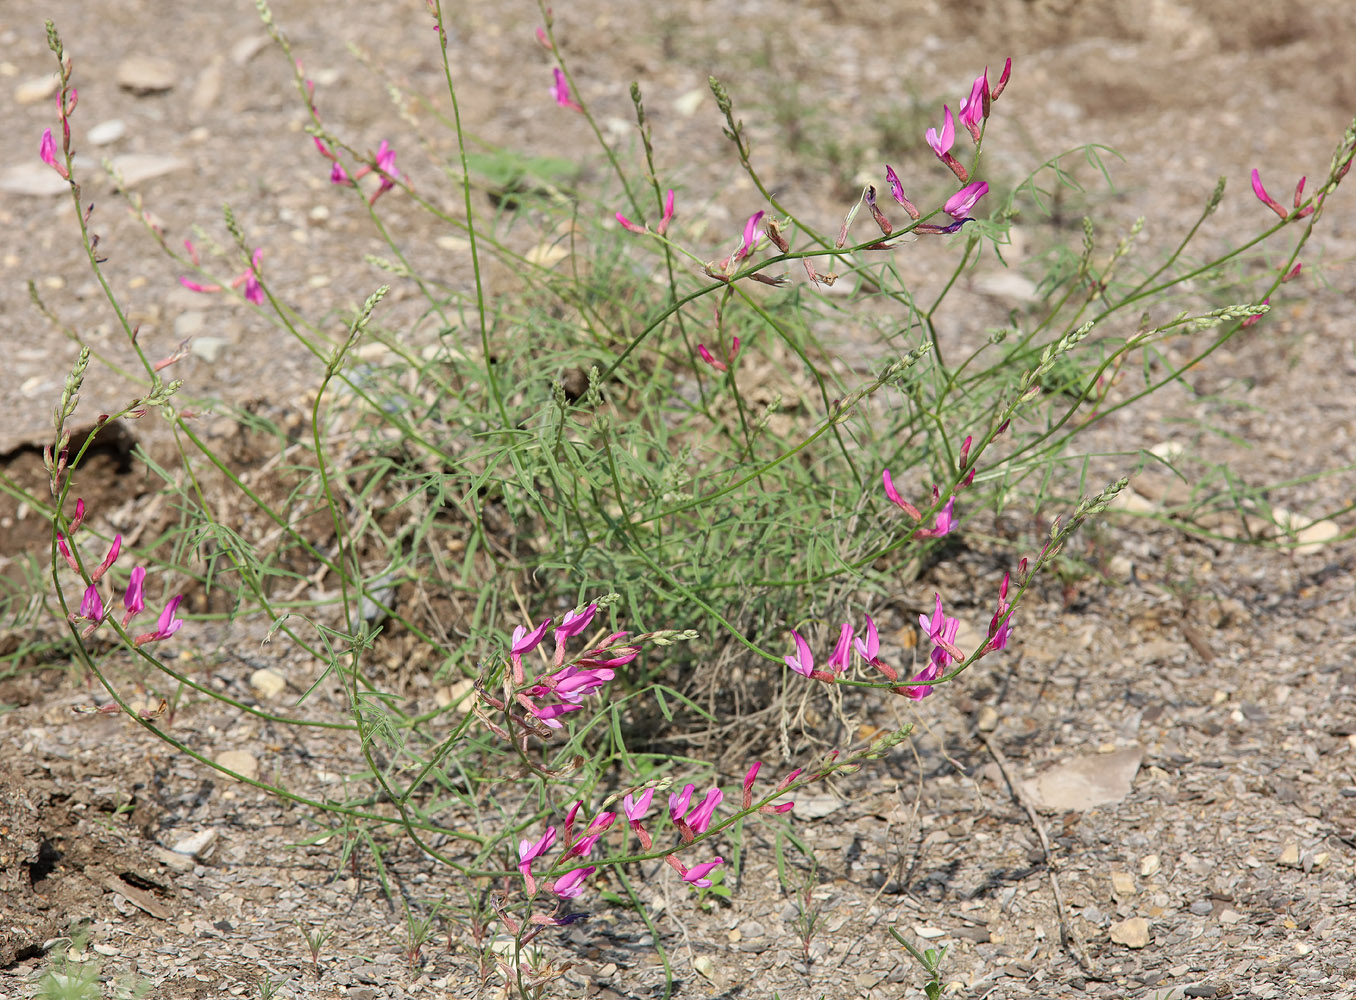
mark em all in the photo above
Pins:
pixel 941 631
pixel 254 292
pixel 92 608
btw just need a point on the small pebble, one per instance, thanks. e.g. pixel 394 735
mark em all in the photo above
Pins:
pixel 106 132
pixel 1150 865
pixel 196 845
pixel 1132 933
pixel 37 90
pixel 242 762
pixel 1202 907
pixel 142 75
pixel 268 683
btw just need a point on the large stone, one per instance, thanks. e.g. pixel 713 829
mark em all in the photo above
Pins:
pixel 1082 783
pixel 142 74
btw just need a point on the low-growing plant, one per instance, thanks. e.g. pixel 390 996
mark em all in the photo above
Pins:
pixel 605 536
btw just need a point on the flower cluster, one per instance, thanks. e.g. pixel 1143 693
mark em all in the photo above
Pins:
pixel 538 705
pixel 974 111
pixel 254 292
pixel 690 820
pixel 940 629
pixel 92 609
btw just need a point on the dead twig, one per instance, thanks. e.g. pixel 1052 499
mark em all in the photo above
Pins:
pixel 1068 937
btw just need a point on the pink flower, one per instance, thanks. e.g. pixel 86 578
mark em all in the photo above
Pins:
pixel 678 803
pixel 636 808
pixel 561 92
pixel 529 851
pixel 941 630
pixel 47 150
pixel 524 642
pixel 958 206
pixel 711 359
pixel 868 648
pixel 749 778
pixel 945 524
pixel 1002 83
pixel 749 241
pixel 630 226
pixel 574 622
pixel 572 684
pixel 386 164
pixel 166 626
pixel 571 884
pixel 897 189
pixel 699 819
pixel 134 600
pixel 974 109
pixel 65 551
pixel 696 875
pixel 550 714
pixel 803 662
pixel 1265 198
pixel 838 659
pixel 583 847
pixel 663 226
pixel 338 175
pixel 109 559
pixel 253 291
pixel 941 145
pixel 92 605
pixel 896 499
pixel 195 286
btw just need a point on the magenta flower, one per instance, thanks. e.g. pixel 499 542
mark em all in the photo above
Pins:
pixel 92 605
pixel 166 626
pixel 896 499
pixel 253 291
pixel 583 847
pixel 109 559
pixel 386 164
pixel 897 189
pixel 803 662
pixel 47 150
pixel 678 803
pixel 711 359
pixel 574 623
pixel 630 226
pixel 65 551
pixel 699 819
pixel 636 808
pixel 571 884
pixel 524 642
pixel 663 226
pixel 1002 83
pixel 1265 198
pixel 958 206
pixel 550 714
pixel 749 778
pixel 868 648
pixel 561 92
pixel 529 851
pixel 945 524
pixel 696 875
pixel 135 599
pixel 838 659
pixel 941 630
pixel 941 144
pixel 974 109
pixel 749 241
